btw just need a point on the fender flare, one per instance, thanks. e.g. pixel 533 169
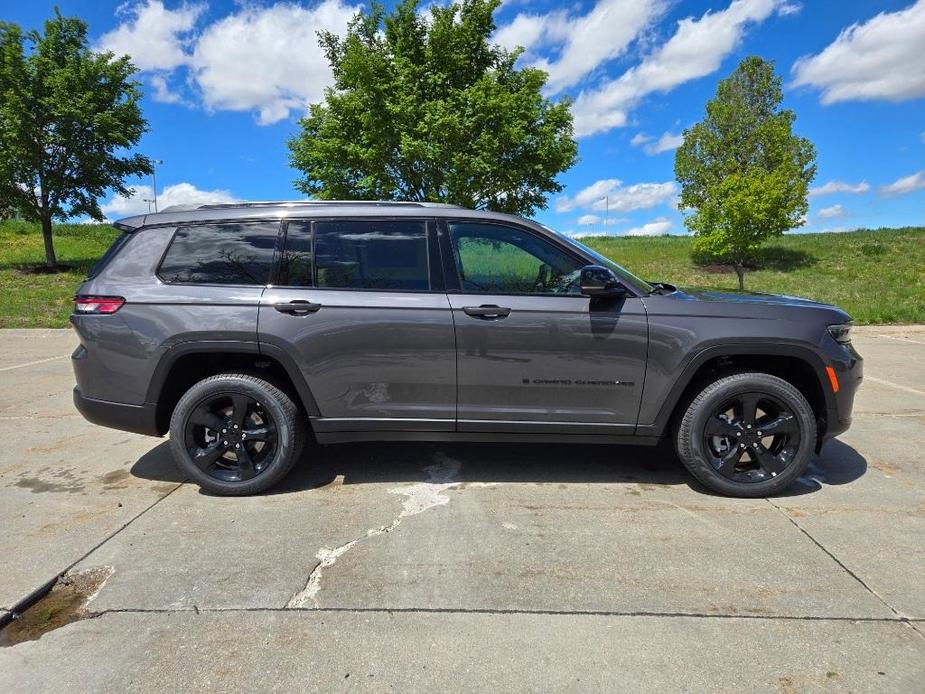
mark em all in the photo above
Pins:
pixel 732 349
pixel 175 352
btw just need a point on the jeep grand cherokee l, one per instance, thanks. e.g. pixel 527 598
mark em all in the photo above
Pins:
pixel 243 329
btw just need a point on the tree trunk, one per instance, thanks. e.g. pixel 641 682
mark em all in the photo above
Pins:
pixel 740 271
pixel 50 259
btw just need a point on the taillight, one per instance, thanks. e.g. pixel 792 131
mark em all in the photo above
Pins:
pixel 97 304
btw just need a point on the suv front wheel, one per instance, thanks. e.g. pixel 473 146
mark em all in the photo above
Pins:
pixel 747 435
pixel 236 434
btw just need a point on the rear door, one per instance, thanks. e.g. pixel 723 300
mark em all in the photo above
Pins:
pixel 355 305
pixel 533 354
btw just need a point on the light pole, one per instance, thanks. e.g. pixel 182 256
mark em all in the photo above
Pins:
pixel 606 199
pixel 154 163
pixel 149 201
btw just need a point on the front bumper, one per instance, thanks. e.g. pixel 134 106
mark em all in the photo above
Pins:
pixel 849 369
pixel 139 419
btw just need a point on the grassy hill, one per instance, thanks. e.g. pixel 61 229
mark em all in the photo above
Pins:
pixel 877 276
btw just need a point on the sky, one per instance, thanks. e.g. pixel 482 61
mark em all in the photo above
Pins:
pixel 225 83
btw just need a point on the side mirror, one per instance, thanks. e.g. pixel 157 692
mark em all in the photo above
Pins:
pixel 599 282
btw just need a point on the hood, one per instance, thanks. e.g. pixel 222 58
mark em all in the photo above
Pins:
pixel 725 296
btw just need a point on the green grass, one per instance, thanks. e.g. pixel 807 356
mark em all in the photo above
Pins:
pixel 877 276
pixel 44 300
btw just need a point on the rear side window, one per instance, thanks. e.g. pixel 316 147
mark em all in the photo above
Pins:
pixel 229 253
pixel 111 253
pixel 357 254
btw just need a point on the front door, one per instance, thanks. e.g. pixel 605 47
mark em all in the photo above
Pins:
pixel 353 305
pixel 533 355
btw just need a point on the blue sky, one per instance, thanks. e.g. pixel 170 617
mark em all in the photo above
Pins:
pixel 225 83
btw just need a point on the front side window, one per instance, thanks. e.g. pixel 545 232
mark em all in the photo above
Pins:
pixel 227 253
pixel 495 259
pixel 370 254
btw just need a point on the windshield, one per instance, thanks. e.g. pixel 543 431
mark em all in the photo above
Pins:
pixel 618 269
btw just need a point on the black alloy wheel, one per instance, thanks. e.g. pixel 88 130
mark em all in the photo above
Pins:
pixel 231 437
pixel 751 437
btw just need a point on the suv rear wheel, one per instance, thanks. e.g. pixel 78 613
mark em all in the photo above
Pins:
pixel 236 434
pixel 747 435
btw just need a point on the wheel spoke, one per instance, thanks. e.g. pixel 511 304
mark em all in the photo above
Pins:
pixel 202 417
pixel 717 426
pixel 239 411
pixel 785 424
pixel 204 457
pixel 749 408
pixel 261 433
pixel 245 463
pixel 768 461
pixel 728 462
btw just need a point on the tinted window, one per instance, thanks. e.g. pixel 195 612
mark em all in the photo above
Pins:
pixel 232 253
pixel 496 259
pixel 370 254
pixel 111 253
pixel 295 267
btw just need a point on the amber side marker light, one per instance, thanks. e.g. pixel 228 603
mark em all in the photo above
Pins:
pixel 833 378
pixel 97 304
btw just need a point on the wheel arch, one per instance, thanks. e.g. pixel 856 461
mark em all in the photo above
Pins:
pixel 800 366
pixel 189 362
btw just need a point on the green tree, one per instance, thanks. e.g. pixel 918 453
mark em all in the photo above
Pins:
pixel 744 174
pixel 65 114
pixel 429 110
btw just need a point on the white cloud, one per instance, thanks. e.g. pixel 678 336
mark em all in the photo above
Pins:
pixel 789 8
pixel 658 227
pixel 882 58
pixel 696 49
pixel 666 143
pixel 267 58
pixel 581 42
pixel 831 212
pixel 533 31
pixel 908 184
pixel 152 35
pixel 638 196
pixel 178 194
pixel 162 91
pixel 922 137
pixel 588 219
pixel 839 187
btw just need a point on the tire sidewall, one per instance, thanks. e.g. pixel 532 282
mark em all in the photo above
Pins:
pixel 269 397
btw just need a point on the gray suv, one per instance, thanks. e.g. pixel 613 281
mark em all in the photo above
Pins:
pixel 244 329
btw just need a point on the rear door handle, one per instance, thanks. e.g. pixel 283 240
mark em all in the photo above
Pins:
pixel 487 311
pixel 297 307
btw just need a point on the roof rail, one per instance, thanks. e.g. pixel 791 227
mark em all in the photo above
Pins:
pixel 321 203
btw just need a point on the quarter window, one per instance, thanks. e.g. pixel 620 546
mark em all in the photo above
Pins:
pixel 495 259
pixel 367 254
pixel 229 253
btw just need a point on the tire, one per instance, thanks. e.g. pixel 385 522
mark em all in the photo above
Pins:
pixel 209 434
pixel 726 449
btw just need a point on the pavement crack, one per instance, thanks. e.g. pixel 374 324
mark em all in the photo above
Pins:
pixel 441 476
pixel 488 611
pixel 840 563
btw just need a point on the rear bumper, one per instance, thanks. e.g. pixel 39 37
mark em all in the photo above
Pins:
pixel 139 419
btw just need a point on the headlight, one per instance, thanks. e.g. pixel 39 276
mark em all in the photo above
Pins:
pixel 841 333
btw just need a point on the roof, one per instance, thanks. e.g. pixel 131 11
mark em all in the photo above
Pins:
pixel 277 209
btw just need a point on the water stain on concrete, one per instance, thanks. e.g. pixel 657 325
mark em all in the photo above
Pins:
pixel 66 602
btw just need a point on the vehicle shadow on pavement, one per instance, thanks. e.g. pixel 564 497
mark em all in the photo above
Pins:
pixel 381 462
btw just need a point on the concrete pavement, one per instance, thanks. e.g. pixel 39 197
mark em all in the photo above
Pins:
pixel 418 566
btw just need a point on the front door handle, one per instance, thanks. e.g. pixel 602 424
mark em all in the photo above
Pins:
pixel 487 311
pixel 297 307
